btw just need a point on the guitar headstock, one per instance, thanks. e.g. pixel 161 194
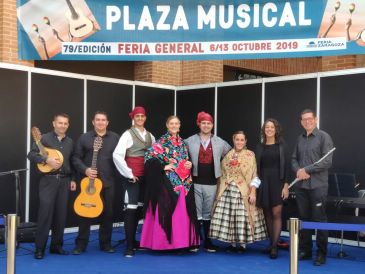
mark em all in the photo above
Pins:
pixel 36 133
pixel 98 143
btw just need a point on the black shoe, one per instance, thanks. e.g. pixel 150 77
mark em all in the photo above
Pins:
pixel 58 250
pixel 107 249
pixel 209 247
pixel 231 249
pixel 129 253
pixel 39 254
pixel 273 253
pixel 304 256
pixel 193 249
pixel 320 259
pixel 137 246
pixel 78 250
pixel 241 249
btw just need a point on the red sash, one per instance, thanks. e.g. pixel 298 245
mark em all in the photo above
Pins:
pixel 136 164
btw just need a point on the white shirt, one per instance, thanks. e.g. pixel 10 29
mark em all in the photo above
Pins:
pixel 125 142
pixel 205 143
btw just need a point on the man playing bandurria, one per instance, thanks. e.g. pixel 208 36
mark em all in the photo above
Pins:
pixel 54 187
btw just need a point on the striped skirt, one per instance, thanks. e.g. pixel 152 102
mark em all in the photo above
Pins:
pixel 230 221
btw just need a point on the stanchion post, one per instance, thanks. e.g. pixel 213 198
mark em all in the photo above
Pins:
pixel 294 226
pixel 11 225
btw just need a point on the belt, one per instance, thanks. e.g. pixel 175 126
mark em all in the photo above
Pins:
pixel 58 175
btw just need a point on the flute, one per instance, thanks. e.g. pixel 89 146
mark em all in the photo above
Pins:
pixel 320 160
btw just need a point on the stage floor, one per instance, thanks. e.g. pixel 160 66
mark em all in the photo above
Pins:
pixel 146 262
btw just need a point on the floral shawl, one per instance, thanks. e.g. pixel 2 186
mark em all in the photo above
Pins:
pixel 172 150
pixel 238 167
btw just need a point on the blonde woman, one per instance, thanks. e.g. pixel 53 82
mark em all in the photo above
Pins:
pixel 170 221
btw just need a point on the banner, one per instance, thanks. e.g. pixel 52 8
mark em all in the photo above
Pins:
pixel 188 30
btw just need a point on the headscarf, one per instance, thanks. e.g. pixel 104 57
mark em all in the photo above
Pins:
pixel 203 116
pixel 137 110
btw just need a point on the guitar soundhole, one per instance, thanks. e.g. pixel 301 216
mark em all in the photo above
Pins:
pixel 80 27
pixel 91 190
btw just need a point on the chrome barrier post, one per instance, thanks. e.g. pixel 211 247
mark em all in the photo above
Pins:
pixel 11 225
pixel 294 226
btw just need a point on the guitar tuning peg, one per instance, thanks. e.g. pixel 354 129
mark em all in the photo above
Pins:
pixel 46 20
pixel 337 5
pixel 352 7
pixel 35 28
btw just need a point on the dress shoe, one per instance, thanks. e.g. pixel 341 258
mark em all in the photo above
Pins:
pixel 209 247
pixel 304 256
pixel 78 250
pixel 274 253
pixel 58 250
pixel 129 253
pixel 39 254
pixel 193 249
pixel 137 246
pixel 241 249
pixel 108 249
pixel 320 259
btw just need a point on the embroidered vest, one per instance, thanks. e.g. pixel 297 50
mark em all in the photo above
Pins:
pixel 139 146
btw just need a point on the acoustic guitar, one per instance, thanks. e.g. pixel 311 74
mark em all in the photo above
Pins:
pixel 45 151
pixel 89 204
pixel 80 25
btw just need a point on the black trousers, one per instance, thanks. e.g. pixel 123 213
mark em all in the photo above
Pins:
pixel 106 222
pixel 312 207
pixel 52 212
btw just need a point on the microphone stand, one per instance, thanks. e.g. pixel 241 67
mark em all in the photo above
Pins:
pixel 17 191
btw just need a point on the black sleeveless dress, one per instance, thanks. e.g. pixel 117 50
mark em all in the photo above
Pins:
pixel 269 192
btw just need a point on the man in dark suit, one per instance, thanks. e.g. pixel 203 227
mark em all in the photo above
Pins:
pixel 106 171
pixel 53 187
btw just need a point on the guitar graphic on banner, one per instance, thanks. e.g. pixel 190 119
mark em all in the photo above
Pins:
pixel 89 204
pixel 80 25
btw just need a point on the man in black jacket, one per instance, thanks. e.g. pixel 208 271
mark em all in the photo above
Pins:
pixel 53 187
pixel 106 171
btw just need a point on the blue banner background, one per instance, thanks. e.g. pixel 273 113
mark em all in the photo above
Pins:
pixel 314 10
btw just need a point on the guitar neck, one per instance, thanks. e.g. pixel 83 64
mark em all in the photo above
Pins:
pixel 94 160
pixel 41 148
pixel 93 166
pixel 72 9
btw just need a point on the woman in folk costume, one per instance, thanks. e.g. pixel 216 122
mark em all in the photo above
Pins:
pixel 236 219
pixel 170 220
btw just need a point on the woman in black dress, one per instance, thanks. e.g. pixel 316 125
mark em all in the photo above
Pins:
pixel 272 169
